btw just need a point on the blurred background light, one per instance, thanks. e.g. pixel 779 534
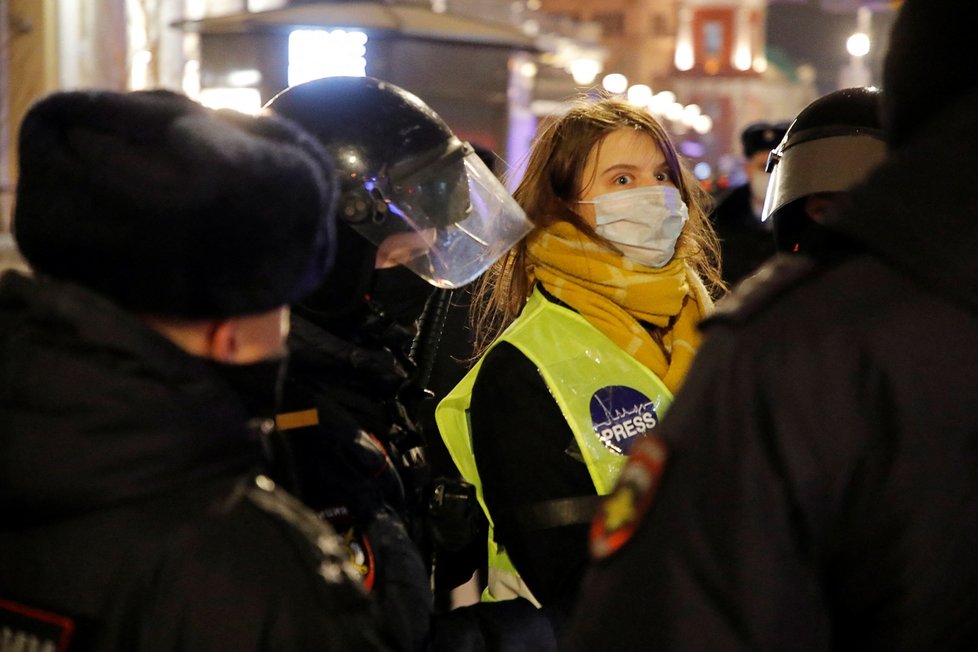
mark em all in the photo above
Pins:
pixel 702 170
pixel 584 70
pixel 317 53
pixel 858 44
pixel 639 94
pixel 245 100
pixel 615 83
pixel 703 124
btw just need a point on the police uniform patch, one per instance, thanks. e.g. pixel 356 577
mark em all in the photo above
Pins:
pixel 620 415
pixel 355 543
pixel 624 508
pixel 333 566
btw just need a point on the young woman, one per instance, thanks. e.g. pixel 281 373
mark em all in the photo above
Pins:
pixel 586 330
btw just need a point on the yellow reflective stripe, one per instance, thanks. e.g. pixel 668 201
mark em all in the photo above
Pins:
pixel 299 419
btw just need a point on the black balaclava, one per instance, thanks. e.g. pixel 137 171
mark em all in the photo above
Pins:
pixel 257 384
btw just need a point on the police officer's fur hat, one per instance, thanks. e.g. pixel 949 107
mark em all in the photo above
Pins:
pixel 762 136
pixel 929 64
pixel 170 208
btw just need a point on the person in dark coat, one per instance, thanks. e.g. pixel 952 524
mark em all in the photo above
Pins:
pixel 746 241
pixel 816 484
pixel 138 377
pixel 362 345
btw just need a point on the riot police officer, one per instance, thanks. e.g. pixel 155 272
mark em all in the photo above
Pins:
pixel 816 483
pixel 418 210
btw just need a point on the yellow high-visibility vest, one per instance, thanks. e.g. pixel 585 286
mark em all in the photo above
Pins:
pixel 606 396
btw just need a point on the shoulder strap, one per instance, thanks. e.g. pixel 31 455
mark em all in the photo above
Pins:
pixel 550 514
pixel 763 288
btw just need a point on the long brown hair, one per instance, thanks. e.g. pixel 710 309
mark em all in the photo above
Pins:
pixel 549 190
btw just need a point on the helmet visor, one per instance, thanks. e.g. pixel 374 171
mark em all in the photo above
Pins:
pixel 830 164
pixel 447 222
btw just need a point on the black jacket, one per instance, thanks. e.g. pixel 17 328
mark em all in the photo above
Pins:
pixel 527 455
pixel 745 243
pixel 352 386
pixel 821 489
pixel 342 467
pixel 128 496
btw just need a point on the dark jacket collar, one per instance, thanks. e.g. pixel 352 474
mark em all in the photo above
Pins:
pixel 96 408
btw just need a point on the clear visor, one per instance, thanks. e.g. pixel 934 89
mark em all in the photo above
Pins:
pixel 448 222
pixel 824 165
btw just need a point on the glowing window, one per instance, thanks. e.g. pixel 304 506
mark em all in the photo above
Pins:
pixel 317 53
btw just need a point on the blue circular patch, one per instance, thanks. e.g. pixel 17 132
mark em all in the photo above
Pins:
pixel 620 415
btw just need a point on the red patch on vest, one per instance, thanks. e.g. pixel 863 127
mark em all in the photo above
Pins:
pixel 625 507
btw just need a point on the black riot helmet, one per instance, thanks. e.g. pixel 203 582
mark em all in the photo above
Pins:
pixel 419 195
pixel 831 145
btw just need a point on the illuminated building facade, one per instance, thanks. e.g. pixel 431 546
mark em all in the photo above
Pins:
pixel 710 54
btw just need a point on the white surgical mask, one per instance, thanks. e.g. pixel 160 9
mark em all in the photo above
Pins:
pixel 644 223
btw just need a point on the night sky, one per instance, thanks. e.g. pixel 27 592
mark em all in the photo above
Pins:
pixel 807 32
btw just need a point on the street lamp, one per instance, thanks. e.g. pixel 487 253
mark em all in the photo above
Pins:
pixel 858 44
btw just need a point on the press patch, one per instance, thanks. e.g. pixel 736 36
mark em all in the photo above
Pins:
pixel 619 415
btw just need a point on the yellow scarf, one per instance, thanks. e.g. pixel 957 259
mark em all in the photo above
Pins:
pixel 615 294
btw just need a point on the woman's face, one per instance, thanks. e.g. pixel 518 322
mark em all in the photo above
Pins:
pixel 625 159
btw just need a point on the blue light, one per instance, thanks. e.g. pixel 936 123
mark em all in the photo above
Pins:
pixel 702 170
pixel 691 148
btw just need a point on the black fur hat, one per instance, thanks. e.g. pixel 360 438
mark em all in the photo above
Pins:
pixel 929 64
pixel 762 137
pixel 170 208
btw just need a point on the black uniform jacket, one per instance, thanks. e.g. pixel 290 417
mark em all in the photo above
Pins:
pixel 821 485
pixel 745 243
pixel 352 386
pixel 349 477
pixel 130 513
